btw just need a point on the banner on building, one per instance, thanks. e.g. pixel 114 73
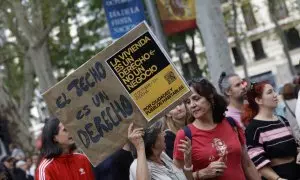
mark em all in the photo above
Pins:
pixel 123 15
pixel 177 15
pixel 132 80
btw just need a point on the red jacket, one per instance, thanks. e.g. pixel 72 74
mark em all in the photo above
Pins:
pixel 65 167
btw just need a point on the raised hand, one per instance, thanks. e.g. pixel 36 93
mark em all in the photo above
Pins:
pixel 186 147
pixel 135 136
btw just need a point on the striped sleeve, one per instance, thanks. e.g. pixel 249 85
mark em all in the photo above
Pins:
pixel 41 173
pixel 257 155
pixel 255 148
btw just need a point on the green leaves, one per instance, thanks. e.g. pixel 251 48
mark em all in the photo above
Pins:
pixel 74 38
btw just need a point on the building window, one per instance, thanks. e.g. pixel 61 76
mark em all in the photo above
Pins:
pixel 258 49
pixel 292 38
pixel 249 16
pixel 237 58
pixel 279 9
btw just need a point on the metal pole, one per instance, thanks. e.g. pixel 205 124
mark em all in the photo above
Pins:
pixel 155 22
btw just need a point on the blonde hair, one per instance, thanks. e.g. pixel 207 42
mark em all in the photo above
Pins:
pixel 176 125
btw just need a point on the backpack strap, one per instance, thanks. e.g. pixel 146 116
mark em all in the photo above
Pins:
pixel 232 123
pixel 187 132
pixel 289 108
pixel 282 120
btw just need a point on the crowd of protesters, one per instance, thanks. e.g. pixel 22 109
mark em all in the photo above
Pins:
pixel 16 166
pixel 239 134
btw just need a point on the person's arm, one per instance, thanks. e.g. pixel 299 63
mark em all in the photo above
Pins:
pixel 142 172
pixel 258 156
pixel 178 154
pixel 248 166
pixel 45 174
pixel 213 170
pixel 269 174
pixel 135 137
pixel 186 148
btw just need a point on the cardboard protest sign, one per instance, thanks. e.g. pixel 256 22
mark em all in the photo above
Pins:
pixel 130 81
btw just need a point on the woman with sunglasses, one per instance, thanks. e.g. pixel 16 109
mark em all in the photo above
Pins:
pixel 218 149
pixel 271 145
pixel 152 162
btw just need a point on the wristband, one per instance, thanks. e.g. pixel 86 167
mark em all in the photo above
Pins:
pixel 188 169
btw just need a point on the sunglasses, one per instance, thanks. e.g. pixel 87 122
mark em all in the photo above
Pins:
pixel 252 85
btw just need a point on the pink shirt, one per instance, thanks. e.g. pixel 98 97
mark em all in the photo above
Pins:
pixel 235 114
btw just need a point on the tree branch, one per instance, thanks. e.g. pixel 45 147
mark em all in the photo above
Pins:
pixel 13 27
pixel 52 24
pixel 46 32
pixel 22 19
pixel 27 91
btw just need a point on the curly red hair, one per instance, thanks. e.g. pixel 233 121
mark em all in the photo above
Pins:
pixel 251 109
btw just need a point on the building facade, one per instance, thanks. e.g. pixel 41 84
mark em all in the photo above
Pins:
pixel 260 43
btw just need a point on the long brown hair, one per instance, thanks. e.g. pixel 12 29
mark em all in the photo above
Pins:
pixel 251 109
pixel 206 89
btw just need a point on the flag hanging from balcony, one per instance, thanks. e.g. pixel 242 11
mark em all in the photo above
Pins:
pixel 177 15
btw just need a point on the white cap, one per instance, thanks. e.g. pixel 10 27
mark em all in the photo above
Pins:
pixel 20 163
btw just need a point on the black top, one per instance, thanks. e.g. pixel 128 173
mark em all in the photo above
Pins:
pixel 269 139
pixel 115 167
pixel 169 139
pixel 4 172
pixel 19 174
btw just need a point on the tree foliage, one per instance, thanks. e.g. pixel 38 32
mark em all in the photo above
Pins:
pixel 66 33
pixel 72 40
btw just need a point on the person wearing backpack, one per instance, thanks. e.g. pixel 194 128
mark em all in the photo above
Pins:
pixel 218 144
